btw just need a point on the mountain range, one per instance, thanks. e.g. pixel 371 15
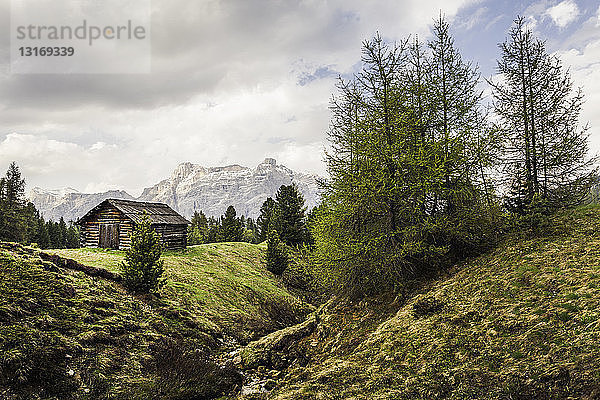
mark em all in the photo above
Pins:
pixel 190 187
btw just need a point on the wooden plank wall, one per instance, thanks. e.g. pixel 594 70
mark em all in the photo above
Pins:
pixel 173 236
pixel 90 232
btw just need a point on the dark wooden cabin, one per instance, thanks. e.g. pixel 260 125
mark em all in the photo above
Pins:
pixel 110 223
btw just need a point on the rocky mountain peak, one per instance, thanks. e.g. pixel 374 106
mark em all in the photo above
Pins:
pixel 182 170
pixel 192 187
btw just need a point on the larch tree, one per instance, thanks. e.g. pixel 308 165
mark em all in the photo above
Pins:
pixel 406 158
pixel 546 162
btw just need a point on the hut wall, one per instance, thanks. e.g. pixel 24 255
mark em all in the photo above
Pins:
pixel 90 232
pixel 172 236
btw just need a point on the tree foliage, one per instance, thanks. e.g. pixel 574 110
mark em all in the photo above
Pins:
pixel 410 149
pixel 277 257
pixel 231 226
pixel 21 222
pixel 227 228
pixel 288 215
pixel 264 219
pixel 546 167
pixel 143 268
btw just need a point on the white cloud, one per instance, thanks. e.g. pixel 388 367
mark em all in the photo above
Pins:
pixel 584 65
pixel 46 162
pixel 563 13
pixel 224 89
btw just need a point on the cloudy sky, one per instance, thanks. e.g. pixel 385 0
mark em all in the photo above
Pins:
pixel 238 81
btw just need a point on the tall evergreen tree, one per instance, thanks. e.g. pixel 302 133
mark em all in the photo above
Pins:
pixel 546 150
pixel 14 186
pixel 72 237
pixel 277 257
pixel 264 219
pixel 199 220
pixel 288 218
pixel 19 219
pixel 231 227
pixel 405 192
pixel 214 228
pixel 198 230
pixel 42 237
pixel 13 222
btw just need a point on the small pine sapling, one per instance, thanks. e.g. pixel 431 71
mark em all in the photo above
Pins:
pixel 143 268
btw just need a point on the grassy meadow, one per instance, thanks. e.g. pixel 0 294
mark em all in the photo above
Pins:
pixel 64 334
pixel 224 286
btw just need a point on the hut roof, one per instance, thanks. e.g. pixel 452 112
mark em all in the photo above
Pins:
pixel 159 213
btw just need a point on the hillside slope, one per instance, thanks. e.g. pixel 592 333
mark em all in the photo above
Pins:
pixel 225 287
pixel 521 322
pixel 65 334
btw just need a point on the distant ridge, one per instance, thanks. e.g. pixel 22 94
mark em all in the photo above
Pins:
pixel 190 187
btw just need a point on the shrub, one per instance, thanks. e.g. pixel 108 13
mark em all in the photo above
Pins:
pixel 143 267
pixel 277 258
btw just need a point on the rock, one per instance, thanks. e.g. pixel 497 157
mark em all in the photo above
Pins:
pixel 194 187
pixel 69 203
pixel 268 351
pixel 191 187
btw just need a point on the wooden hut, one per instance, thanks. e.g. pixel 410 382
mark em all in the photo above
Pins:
pixel 110 223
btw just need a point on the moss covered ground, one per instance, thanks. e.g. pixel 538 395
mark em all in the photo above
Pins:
pixel 521 322
pixel 225 287
pixel 67 335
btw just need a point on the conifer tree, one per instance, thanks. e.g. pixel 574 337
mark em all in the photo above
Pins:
pixel 264 219
pixel 143 268
pixel 199 221
pixel 42 237
pixel 72 236
pixel 288 218
pixel 231 227
pixel 13 224
pixel 198 230
pixel 14 186
pixel 214 228
pixel 277 258
pixel 546 163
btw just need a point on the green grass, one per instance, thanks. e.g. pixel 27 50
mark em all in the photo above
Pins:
pixel 519 322
pixel 64 334
pixel 225 287
pixel 522 321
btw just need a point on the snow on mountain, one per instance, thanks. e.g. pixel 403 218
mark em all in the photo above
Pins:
pixel 191 187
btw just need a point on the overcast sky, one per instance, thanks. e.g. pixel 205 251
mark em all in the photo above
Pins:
pixel 238 81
